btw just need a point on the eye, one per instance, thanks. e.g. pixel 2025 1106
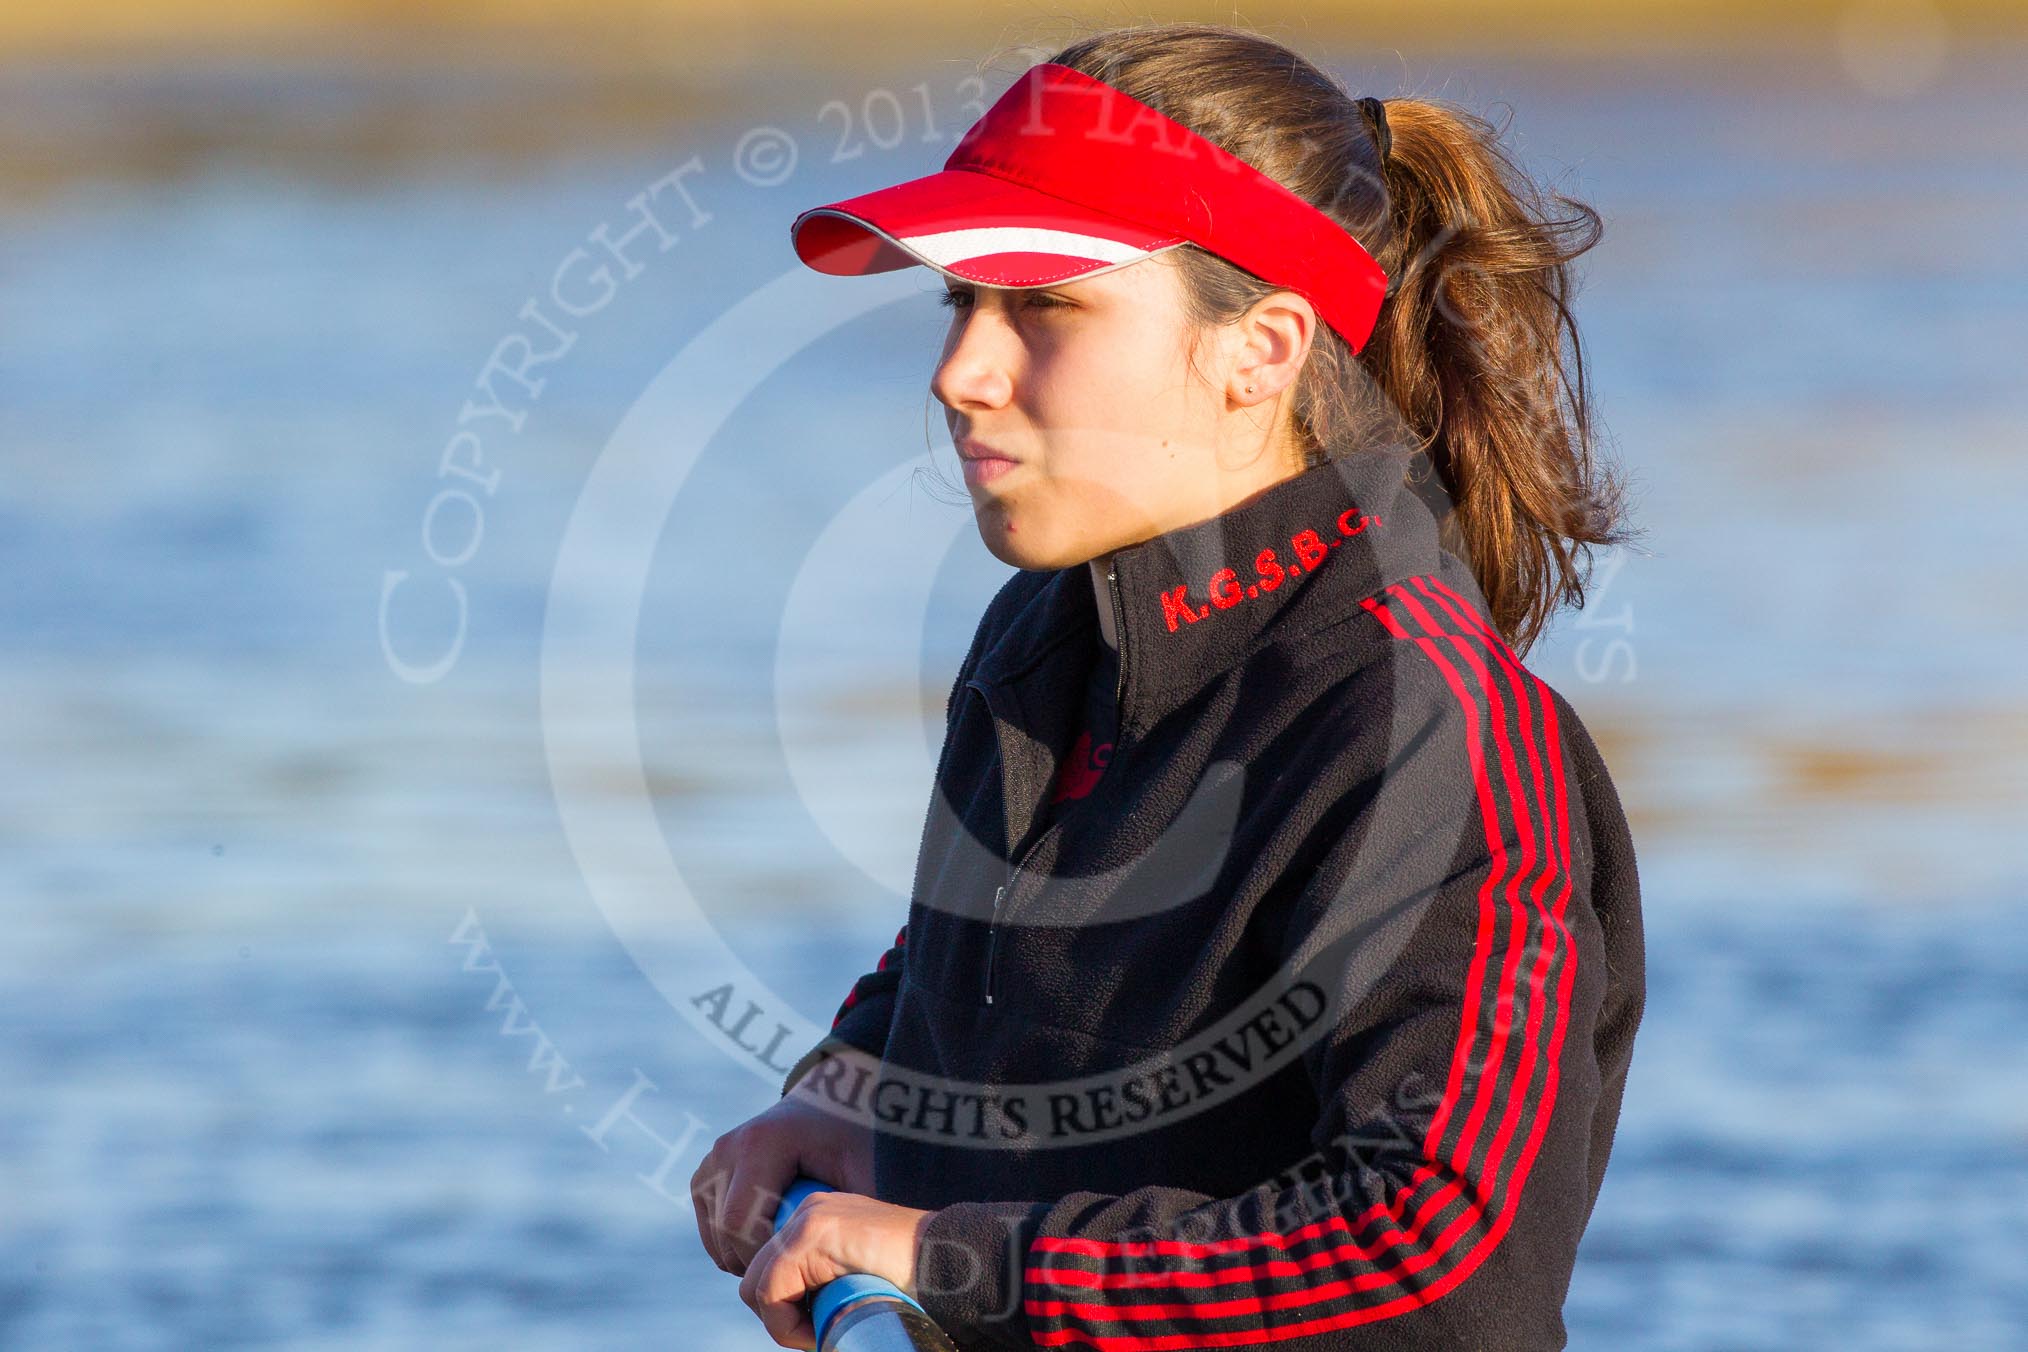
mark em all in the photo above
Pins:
pixel 1034 300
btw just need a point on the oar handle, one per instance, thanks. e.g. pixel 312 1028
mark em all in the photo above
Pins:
pixel 839 1292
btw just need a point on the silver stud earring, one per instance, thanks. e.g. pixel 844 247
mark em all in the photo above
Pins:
pixel 1249 389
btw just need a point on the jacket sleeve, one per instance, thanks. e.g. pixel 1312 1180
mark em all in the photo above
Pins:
pixel 863 1018
pixel 1454 1077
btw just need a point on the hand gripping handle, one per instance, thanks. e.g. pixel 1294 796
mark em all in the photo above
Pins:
pixel 836 1294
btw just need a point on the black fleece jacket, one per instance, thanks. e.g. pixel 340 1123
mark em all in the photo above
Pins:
pixel 1309 1026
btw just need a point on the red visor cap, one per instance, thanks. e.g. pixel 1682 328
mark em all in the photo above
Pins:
pixel 1066 177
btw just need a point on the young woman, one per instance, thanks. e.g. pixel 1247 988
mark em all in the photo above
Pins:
pixel 1274 961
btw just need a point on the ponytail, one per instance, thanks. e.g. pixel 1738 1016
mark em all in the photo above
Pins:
pixel 1475 361
pixel 1479 351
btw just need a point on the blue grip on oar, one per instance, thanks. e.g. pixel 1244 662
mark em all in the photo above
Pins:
pixel 839 1292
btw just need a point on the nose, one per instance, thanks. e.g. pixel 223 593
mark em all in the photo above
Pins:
pixel 977 369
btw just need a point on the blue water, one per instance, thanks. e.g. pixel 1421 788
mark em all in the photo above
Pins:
pixel 258 1096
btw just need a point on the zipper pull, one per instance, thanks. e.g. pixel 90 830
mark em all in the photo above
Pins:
pixel 1119 637
pixel 993 940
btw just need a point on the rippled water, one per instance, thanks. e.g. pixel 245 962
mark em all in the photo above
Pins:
pixel 261 1091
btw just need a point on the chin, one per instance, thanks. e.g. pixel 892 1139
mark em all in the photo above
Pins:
pixel 1004 550
pixel 1015 547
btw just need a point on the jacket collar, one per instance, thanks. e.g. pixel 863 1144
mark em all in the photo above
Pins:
pixel 1194 602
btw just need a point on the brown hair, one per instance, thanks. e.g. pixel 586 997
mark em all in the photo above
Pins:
pixel 1467 362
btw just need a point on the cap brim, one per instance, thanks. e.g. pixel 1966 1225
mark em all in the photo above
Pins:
pixel 972 226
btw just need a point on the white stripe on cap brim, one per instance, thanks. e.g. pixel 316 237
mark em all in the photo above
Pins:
pixel 946 250
pixel 950 247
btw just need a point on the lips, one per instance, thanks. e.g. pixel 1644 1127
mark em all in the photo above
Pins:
pixel 979 450
pixel 982 464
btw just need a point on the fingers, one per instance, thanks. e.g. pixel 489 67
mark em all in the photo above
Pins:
pixel 774 1289
pixel 706 1187
pixel 748 1221
pixel 725 1198
pixel 736 1190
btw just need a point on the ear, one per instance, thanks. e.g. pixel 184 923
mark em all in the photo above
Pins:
pixel 1273 341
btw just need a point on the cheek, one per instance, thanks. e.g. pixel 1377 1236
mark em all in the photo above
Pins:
pixel 1111 399
pixel 1117 424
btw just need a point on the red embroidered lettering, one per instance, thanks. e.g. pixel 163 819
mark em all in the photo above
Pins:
pixel 1082 769
pixel 1270 572
pixel 1348 531
pixel 1265 561
pixel 1225 592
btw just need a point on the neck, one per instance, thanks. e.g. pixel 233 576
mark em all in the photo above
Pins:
pixel 1269 470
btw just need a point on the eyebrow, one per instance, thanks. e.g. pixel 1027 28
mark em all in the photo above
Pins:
pixel 960 284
